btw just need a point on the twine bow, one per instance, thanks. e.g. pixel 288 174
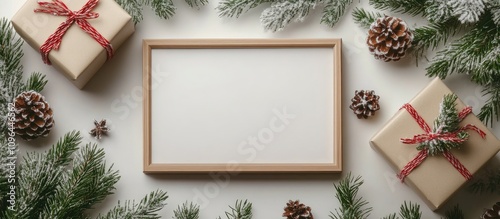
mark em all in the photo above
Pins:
pixel 58 8
pixel 429 136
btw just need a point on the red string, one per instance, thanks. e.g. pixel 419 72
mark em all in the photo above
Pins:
pixel 428 136
pixel 58 8
pixel 459 166
pixel 413 164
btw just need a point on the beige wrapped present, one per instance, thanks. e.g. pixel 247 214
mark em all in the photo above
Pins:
pixel 435 179
pixel 79 56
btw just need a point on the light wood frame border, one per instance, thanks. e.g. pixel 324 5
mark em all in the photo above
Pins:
pixel 155 168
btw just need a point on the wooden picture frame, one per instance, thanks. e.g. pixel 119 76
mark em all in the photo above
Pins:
pixel 160 103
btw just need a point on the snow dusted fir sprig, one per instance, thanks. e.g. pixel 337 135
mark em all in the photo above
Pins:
pixel 446 122
pixel 240 210
pixel 191 211
pixel 11 84
pixel 281 13
pixel 164 9
pixel 351 206
pixel 11 71
pixel 354 206
pixel 466 11
pixel 66 181
pixel 470 33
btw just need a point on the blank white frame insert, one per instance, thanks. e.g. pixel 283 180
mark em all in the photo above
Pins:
pixel 240 105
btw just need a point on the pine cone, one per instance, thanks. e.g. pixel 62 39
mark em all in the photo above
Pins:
pixel 365 103
pixel 492 213
pixel 389 38
pixel 297 210
pixel 33 116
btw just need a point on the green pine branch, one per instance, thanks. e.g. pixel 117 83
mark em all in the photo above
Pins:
pixel 485 65
pixel 412 7
pixel 407 211
pixel 133 8
pixel 196 3
pixel 164 9
pixel 235 8
pixel 475 53
pixel 86 184
pixel 434 35
pixel 4 174
pixel 186 211
pixel 487 183
pixel 10 68
pixel 66 181
pixel 11 85
pixel 364 18
pixel 454 213
pixel 41 174
pixel 241 210
pixel 446 122
pixel 60 153
pixel 391 216
pixel 333 11
pixel 494 7
pixel 147 207
pixel 36 82
pixel 438 11
pixel 410 211
pixel 280 14
pixel 491 109
pixel 470 54
pixel 352 207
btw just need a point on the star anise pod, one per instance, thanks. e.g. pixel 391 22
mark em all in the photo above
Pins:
pixel 100 129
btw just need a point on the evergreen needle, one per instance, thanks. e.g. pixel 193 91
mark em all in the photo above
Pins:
pixel 241 210
pixel 412 7
pixel 487 183
pixel 164 9
pixel 186 211
pixel 454 213
pixel 352 207
pixel 365 18
pixel 279 14
pixel 407 211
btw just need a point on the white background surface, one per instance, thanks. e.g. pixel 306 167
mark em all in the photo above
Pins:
pixel 115 93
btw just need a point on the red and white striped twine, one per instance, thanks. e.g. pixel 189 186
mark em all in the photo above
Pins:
pixel 58 8
pixel 428 136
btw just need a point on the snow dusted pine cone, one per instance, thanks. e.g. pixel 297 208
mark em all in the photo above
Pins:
pixel 492 213
pixel 389 38
pixel 364 103
pixel 33 116
pixel 297 210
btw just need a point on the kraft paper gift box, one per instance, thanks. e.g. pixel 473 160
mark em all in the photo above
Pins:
pixel 79 56
pixel 435 179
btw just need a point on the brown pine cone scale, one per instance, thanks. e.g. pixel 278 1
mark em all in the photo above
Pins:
pixel 364 103
pixel 389 38
pixel 492 213
pixel 33 116
pixel 297 210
